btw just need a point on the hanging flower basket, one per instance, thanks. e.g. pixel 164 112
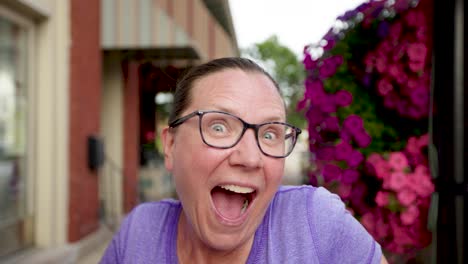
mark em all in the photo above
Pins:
pixel 367 103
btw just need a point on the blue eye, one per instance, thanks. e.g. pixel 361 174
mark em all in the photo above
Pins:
pixel 219 128
pixel 269 135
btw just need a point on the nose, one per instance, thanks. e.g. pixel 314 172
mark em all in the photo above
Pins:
pixel 247 153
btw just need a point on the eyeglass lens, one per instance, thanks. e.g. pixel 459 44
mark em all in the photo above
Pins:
pixel 223 131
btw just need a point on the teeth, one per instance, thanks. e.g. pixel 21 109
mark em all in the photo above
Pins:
pixel 237 189
pixel 244 206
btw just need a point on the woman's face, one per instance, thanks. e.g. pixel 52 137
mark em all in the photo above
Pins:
pixel 225 219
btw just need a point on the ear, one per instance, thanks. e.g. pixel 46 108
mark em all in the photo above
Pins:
pixel 168 144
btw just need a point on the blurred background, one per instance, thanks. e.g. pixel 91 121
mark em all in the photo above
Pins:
pixel 86 87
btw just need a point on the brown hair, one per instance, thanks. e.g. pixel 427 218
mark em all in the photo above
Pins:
pixel 182 96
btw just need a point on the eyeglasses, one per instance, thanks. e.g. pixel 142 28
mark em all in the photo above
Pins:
pixel 223 130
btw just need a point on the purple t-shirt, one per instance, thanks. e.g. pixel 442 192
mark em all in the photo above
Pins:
pixel 303 224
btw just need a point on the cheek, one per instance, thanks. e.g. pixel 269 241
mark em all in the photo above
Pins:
pixel 274 171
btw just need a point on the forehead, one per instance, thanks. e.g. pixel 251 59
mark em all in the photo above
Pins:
pixel 238 92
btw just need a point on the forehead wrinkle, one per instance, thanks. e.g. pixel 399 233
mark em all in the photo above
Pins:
pixel 221 90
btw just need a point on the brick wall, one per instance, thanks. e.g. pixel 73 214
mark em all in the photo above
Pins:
pixel 85 100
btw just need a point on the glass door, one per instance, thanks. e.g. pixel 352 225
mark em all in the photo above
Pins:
pixel 15 184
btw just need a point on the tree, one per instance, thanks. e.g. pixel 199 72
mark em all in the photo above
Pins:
pixel 285 67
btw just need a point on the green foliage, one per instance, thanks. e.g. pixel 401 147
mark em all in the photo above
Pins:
pixel 286 69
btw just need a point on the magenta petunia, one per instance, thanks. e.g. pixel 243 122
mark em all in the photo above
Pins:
pixel 391 100
pixel 343 150
pixel 328 105
pixel 326 153
pixel 420 97
pixel 329 66
pixel 343 98
pixel 355 159
pixel 362 138
pixel 353 123
pixel 349 176
pixel 331 172
pixel 331 123
pixel 308 62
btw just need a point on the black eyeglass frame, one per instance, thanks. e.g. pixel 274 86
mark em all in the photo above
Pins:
pixel 255 127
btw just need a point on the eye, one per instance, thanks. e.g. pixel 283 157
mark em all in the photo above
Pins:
pixel 270 135
pixel 218 128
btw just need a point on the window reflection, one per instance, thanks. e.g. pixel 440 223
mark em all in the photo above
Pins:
pixel 13 127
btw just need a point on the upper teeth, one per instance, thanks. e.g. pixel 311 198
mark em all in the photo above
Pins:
pixel 237 189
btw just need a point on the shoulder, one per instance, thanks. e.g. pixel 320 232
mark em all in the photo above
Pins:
pixel 154 221
pixel 338 236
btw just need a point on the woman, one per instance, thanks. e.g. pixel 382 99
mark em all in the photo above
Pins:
pixel 225 147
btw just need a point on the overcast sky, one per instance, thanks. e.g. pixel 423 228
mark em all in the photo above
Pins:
pixel 295 22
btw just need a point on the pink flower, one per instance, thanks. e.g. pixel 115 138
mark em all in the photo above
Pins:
pixel 363 139
pixel 391 100
pixel 397 180
pixel 343 98
pixel 412 145
pixel 343 150
pixel 382 169
pixel 368 222
pixel 395 31
pixel 349 176
pixel 401 236
pixel 421 182
pixel 384 86
pixel 382 229
pixel 423 140
pixel 149 136
pixel 415 19
pixel 416 66
pixel 381 64
pixel 417 52
pixel 406 197
pixel 381 198
pixel 374 158
pixel 398 161
pixel 344 191
pixel 331 172
pixel 395 70
pixel 410 215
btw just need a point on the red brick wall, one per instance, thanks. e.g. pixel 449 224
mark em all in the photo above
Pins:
pixel 131 133
pixel 85 100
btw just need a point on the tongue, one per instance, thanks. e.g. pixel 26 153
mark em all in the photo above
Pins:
pixel 228 204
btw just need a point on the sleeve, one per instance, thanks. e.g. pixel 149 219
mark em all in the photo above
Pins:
pixel 338 236
pixel 115 251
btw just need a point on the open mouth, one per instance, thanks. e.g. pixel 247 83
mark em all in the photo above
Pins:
pixel 232 201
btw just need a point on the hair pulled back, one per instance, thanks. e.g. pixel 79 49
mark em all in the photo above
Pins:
pixel 182 95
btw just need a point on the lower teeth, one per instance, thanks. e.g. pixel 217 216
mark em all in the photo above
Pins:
pixel 244 206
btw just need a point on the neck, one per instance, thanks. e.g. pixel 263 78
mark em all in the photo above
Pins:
pixel 190 249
